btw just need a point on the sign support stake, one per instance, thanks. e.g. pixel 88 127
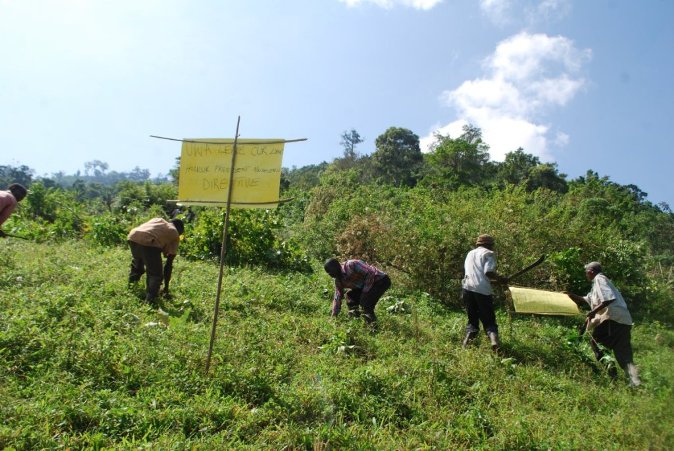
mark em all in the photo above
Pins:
pixel 223 248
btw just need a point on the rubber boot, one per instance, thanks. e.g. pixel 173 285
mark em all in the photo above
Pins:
pixel 153 285
pixel 493 338
pixel 468 339
pixel 633 373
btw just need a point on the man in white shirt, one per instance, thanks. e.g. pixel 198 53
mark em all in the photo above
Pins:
pixel 480 267
pixel 609 320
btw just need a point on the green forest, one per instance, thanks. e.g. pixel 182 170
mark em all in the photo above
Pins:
pixel 87 364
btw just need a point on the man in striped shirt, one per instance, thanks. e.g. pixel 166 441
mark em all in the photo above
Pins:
pixel 366 284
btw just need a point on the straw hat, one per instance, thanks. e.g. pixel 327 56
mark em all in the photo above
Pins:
pixel 484 239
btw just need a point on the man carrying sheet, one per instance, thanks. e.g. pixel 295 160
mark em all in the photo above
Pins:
pixel 609 320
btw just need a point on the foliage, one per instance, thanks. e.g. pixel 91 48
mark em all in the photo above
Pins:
pixel 522 168
pixel 458 162
pixel 252 238
pixel 398 158
pixel 303 178
pixel 10 174
pixel 109 230
pixel 422 235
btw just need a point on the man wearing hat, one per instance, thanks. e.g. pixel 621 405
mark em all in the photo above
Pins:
pixel 8 200
pixel 480 269
pixel 147 242
pixel 609 320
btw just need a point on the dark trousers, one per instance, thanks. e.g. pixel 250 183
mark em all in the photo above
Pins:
pixel 480 307
pixel 368 301
pixel 615 336
pixel 146 258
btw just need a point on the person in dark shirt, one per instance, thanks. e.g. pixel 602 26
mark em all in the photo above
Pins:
pixel 365 284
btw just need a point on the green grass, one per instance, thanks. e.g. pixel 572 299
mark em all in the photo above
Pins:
pixel 86 364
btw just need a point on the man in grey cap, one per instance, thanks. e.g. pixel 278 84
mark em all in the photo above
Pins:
pixel 609 320
pixel 480 267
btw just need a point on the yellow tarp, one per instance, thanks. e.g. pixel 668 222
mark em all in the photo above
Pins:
pixel 541 302
pixel 205 166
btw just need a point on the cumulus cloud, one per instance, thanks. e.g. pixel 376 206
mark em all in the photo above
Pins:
pixel 388 4
pixel 497 11
pixel 508 12
pixel 526 76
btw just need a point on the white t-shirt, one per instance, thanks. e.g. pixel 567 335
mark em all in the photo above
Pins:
pixel 604 290
pixel 478 263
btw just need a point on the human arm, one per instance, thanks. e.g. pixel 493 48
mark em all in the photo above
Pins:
pixel 7 207
pixel 168 269
pixel 601 306
pixel 489 265
pixel 579 300
pixel 337 299
pixel 496 277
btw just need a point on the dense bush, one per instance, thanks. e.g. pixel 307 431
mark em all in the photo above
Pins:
pixel 424 234
pixel 253 238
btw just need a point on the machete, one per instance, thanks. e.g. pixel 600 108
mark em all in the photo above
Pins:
pixel 540 260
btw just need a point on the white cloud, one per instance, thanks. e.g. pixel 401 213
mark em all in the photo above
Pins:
pixel 388 4
pixel 498 11
pixel 547 10
pixel 526 76
pixel 507 12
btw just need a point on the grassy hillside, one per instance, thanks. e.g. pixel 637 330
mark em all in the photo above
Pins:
pixel 84 363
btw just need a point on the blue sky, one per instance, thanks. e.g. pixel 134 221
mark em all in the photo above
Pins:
pixel 587 84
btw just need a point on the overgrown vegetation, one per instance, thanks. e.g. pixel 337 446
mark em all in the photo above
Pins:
pixel 85 364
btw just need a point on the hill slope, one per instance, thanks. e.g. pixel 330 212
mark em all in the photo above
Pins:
pixel 85 363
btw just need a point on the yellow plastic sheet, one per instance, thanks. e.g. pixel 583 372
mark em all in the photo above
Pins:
pixel 541 302
pixel 205 167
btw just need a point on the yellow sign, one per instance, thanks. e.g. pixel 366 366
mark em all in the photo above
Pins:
pixel 528 300
pixel 205 168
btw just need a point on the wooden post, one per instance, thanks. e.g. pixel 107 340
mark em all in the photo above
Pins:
pixel 223 249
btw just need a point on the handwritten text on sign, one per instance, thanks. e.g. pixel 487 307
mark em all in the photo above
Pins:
pixel 205 167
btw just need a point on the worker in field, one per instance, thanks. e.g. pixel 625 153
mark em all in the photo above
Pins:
pixel 480 270
pixel 365 284
pixel 147 242
pixel 609 320
pixel 9 199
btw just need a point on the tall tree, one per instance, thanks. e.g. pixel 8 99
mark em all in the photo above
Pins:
pixel 96 166
pixel 11 174
pixel 516 167
pixel 349 142
pixel 520 167
pixel 398 157
pixel 460 161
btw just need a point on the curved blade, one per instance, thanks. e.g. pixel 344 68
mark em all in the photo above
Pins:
pixel 540 260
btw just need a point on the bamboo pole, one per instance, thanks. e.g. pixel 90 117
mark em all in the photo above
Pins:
pixel 240 144
pixel 223 248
